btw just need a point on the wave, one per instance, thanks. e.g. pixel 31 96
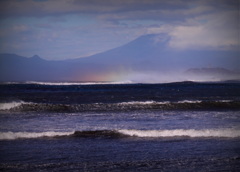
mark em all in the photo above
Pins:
pixel 11 105
pixel 115 134
pixel 189 101
pixel 163 102
pixel 68 83
pixel 160 133
pixel 21 135
pixel 143 103
pixel 82 134
pixel 225 101
pixel 183 133
pixel 131 105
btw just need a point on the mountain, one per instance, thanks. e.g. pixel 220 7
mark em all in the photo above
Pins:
pixel 14 67
pixel 152 51
pixel 143 48
pixel 149 56
pixel 18 68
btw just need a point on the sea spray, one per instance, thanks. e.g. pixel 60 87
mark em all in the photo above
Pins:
pixel 11 105
pixel 181 132
pixel 20 135
pixel 115 134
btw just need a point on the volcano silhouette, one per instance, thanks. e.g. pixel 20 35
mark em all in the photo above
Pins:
pixel 151 52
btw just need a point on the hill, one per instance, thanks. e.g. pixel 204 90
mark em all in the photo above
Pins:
pixel 149 54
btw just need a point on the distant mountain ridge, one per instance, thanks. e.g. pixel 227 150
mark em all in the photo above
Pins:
pixel 146 54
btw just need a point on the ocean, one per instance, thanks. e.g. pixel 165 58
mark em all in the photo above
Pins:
pixel 107 126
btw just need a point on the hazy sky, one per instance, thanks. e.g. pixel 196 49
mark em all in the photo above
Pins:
pixel 62 29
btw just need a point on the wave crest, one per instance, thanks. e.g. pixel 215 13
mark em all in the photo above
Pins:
pixel 144 103
pixel 115 134
pixel 20 135
pixel 69 83
pixel 121 106
pixel 181 132
pixel 11 105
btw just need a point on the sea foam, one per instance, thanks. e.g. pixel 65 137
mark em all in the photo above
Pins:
pixel 143 102
pixel 10 105
pixel 190 101
pixel 77 83
pixel 18 135
pixel 220 133
pixel 181 132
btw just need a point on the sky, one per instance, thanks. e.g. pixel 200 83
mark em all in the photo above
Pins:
pixel 68 29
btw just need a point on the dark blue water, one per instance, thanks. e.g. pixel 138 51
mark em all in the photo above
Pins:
pixel 183 126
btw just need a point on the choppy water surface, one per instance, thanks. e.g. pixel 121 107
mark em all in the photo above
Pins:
pixel 117 126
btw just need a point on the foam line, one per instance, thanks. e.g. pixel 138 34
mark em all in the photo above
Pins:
pixel 224 133
pixel 19 135
pixel 143 102
pixel 10 105
pixel 76 83
pixel 181 132
pixel 190 101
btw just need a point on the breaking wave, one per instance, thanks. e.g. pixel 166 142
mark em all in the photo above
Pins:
pixel 69 83
pixel 22 106
pixel 114 134
pixel 190 101
pixel 143 103
pixel 11 105
pixel 21 135
pixel 183 133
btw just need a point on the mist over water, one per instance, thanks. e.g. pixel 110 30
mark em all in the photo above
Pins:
pixel 175 76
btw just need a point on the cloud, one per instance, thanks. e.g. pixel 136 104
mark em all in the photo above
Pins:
pixel 58 7
pixel 62 7
pixel 20 28
pixel 212 31
pixel 75 28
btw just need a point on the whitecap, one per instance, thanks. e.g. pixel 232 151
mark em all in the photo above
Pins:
pixel 10 105
pixel 182 132
pixel 18 135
